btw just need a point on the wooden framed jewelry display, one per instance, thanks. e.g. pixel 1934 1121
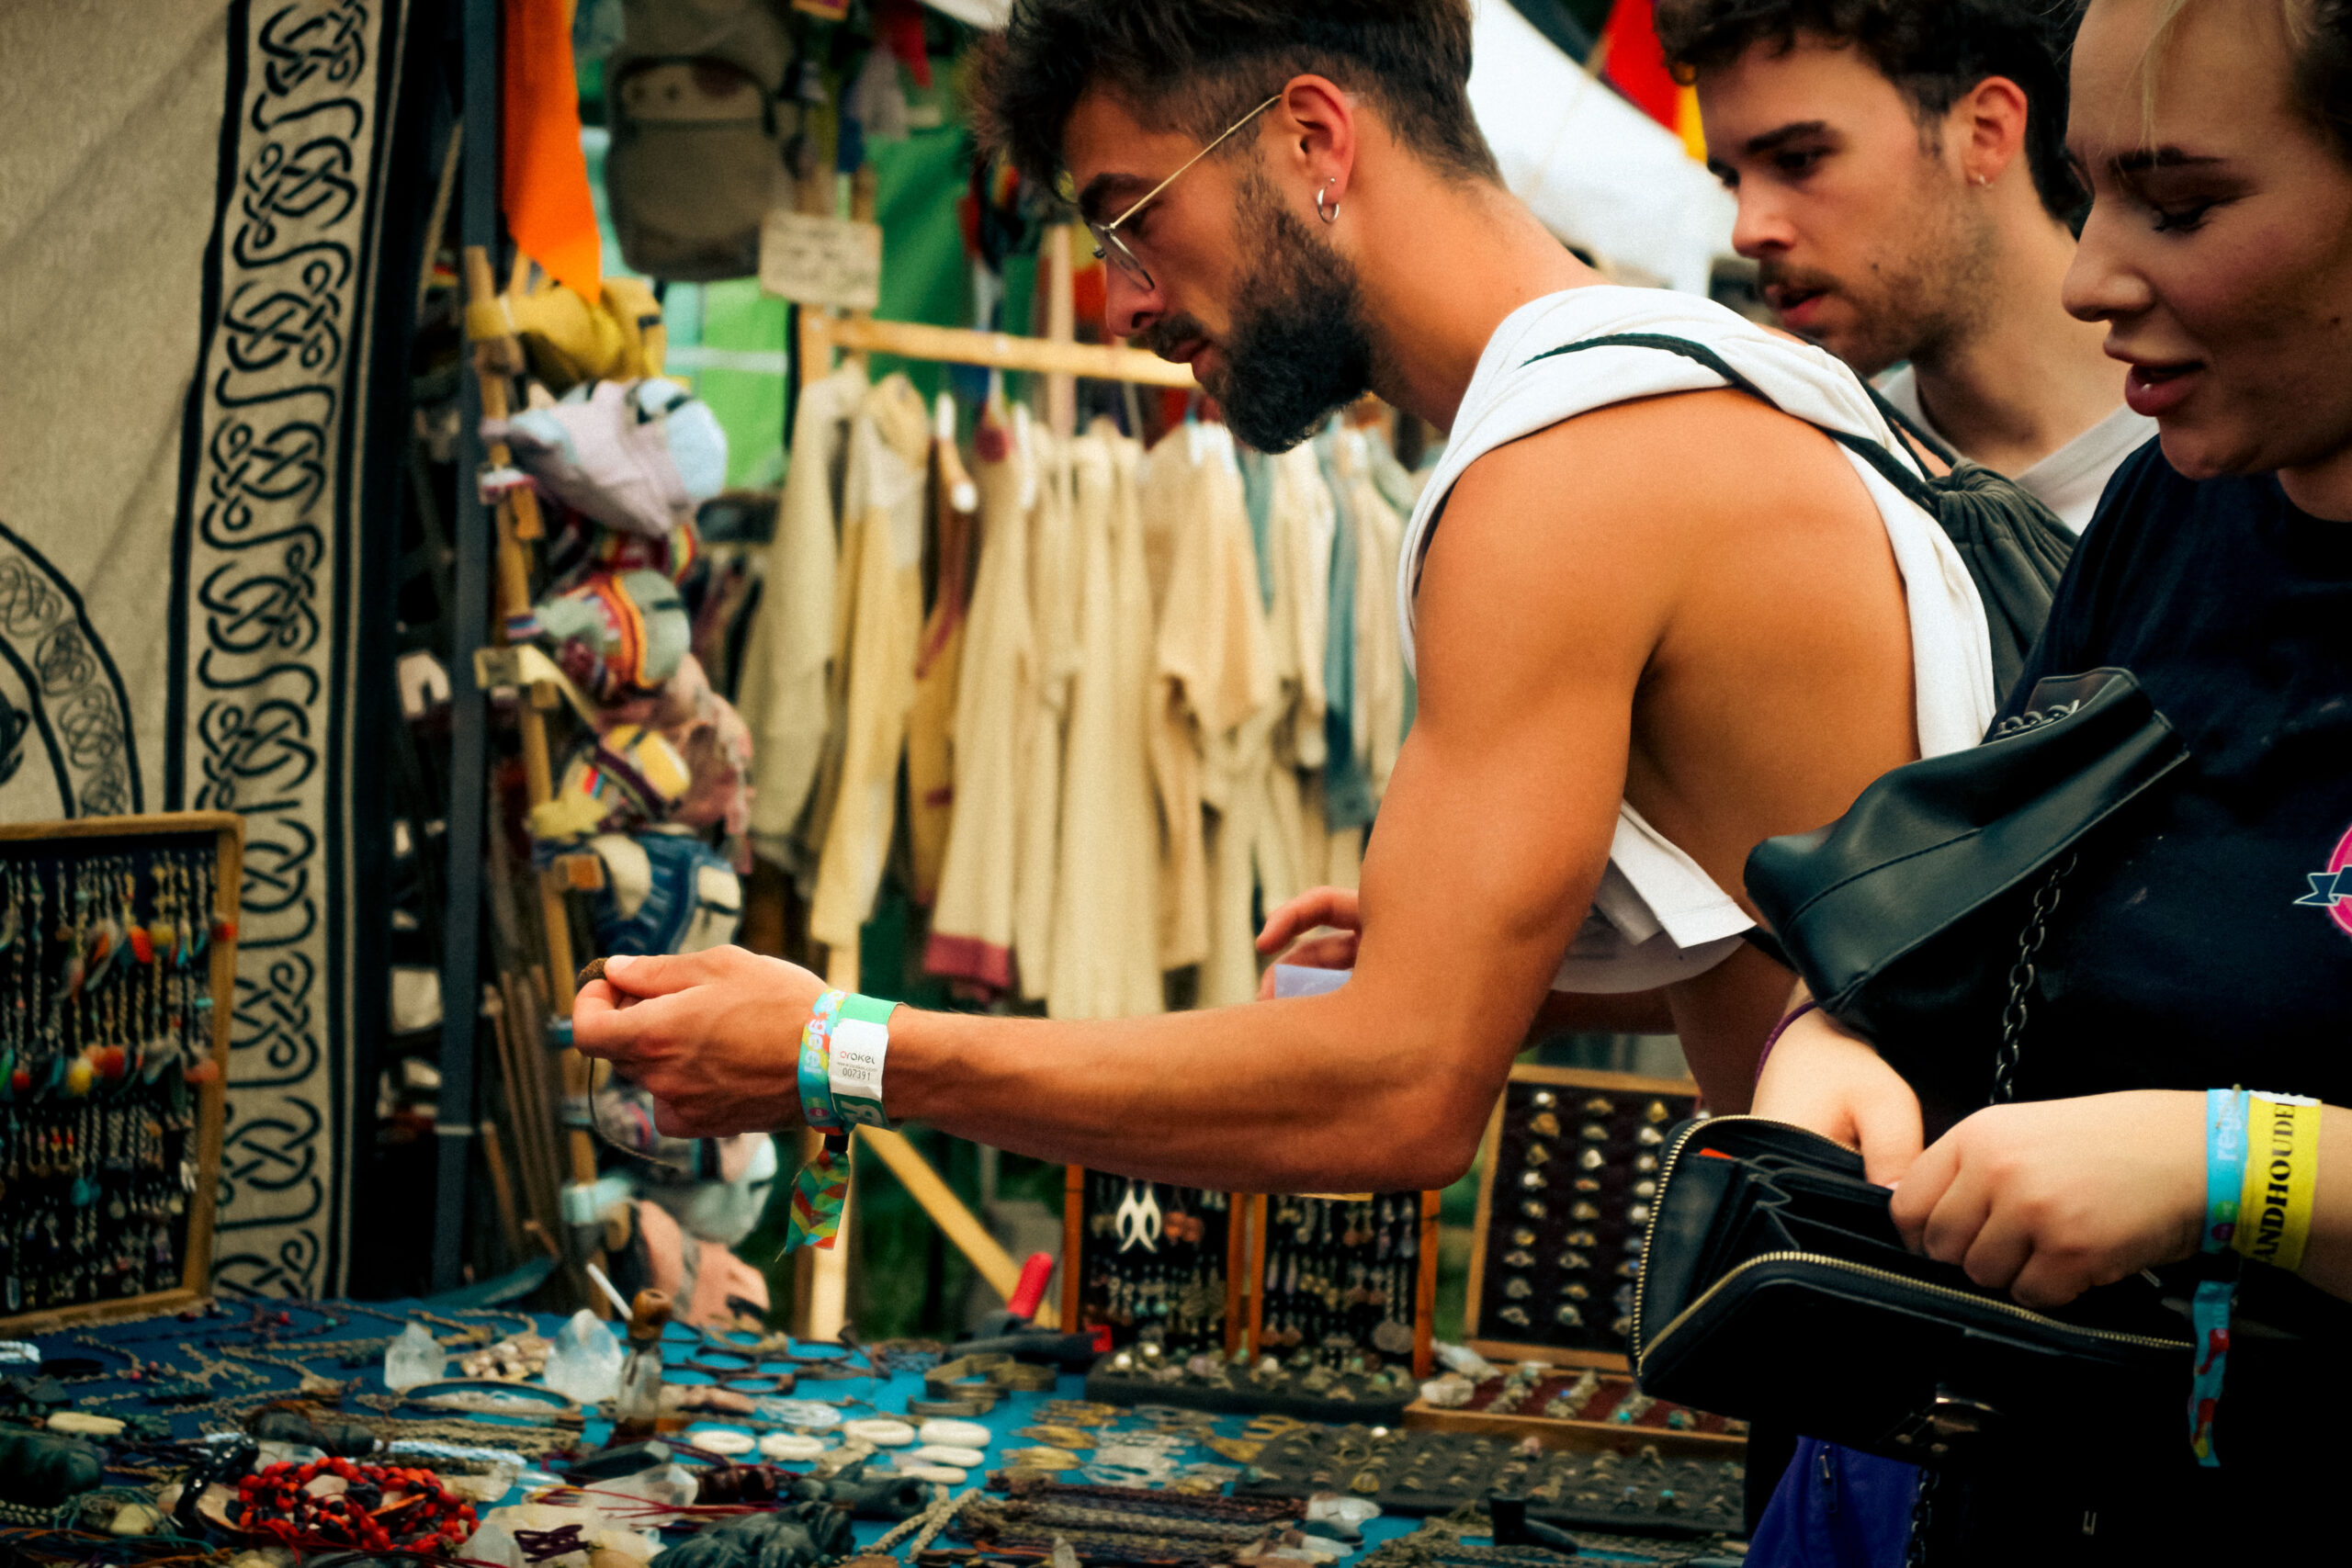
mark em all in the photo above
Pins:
pixel 118 947
pixel 1569 1171
pixel 1343 1274
pixel 1137 1254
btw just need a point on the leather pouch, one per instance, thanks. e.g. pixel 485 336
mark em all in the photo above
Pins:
pixel 1775 1286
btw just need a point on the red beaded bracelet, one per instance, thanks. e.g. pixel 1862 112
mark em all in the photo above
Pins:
pixel 379 1507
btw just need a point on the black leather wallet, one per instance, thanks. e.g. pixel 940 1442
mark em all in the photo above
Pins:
pixel 1775 1287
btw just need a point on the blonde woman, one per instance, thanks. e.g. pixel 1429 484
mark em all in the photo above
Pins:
pixel 2206 941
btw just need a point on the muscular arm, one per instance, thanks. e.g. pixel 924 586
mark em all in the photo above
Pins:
pixel 1589 584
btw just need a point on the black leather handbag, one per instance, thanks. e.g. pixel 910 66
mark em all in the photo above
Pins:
pixel 1904 916
pixel 1775 1287
pixel 1774 1284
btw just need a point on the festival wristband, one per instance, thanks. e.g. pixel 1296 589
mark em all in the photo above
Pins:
pixel 861 1042
pixel 2225 1148
pixel 2216 1298
pixel 2281 1180
pixel 817 1106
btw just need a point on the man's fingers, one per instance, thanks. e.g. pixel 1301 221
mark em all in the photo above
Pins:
pixel 658 975
pixel 1318 906
pixel 1925 1184
pixel 596 1019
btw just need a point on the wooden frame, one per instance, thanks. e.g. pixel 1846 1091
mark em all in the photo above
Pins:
pixel 1424 1277
pixel 1507 1350
pixel 195 1275
pixel 1557 1434
pixel 1073 1259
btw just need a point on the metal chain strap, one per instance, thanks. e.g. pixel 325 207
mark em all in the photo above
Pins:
pixel 2022 976
pixel 1923 1520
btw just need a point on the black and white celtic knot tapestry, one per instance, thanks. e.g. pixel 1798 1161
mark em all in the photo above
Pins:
pixel 189 307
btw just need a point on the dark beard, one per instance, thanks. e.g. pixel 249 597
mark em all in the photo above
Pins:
pixel 1299 347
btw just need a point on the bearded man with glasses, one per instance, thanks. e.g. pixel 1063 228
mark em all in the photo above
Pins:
pixel 1660 620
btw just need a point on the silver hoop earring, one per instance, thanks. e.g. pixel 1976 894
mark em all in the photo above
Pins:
pixel 1331 213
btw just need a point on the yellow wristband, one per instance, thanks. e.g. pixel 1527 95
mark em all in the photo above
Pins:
pixel 2281 1180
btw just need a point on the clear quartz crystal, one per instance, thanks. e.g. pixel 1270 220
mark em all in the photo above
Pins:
pixel 584 1363
pixel 414 1359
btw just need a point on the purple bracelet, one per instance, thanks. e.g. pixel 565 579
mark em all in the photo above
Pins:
pixel 1779 1029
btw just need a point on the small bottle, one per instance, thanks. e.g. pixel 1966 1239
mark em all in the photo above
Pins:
pixel 637 1410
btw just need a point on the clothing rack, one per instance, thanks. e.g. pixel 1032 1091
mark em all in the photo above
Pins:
pixel 820 1276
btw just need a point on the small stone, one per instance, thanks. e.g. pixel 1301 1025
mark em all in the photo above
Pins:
pixel 945 1474
pixel 76 1423
pixel 135 1520
pixel 415 1357
pixel 584 1363
pixel 948 1454
pixel 960 1434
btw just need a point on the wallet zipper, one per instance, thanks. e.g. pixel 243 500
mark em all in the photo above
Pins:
pixel 1657 1207
pixel 2026 1315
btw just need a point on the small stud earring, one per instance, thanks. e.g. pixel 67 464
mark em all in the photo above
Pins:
pixel 1982 180
pixel 1328 214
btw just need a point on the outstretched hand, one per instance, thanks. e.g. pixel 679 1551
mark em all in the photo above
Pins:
pixel 1333 907
pixel 714 1036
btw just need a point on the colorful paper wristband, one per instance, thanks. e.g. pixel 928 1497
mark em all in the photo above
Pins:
pixel 817 1106
pixel 2281 1180
pixel 2216 1299
pixel 861 1044
pixel 2225 1146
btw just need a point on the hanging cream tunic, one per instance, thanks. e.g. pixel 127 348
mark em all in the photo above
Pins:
pixel 995 727
pixel 1054 590
pixel 879 620
pixel 1106 907
pixel 783 695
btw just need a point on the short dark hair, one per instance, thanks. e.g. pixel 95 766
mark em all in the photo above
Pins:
pixel 1933 50
pixel 1199 65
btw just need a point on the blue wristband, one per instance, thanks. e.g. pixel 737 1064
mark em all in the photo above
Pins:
pixel 2210 1309
pixel 2225 1147
pixel 817 1107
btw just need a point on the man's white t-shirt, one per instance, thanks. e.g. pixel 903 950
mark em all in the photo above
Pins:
pixel 2070 480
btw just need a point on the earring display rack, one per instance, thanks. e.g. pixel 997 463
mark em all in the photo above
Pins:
pixel 1570 1170
pixel 1344 1275
pixel 118 945
pixel 1150 1260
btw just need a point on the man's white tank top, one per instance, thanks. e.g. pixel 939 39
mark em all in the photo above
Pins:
pixel 1657 918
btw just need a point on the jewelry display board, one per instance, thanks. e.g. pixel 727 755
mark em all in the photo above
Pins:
pixel 1140 1257
pixel 118 947
pixel 1569 1171
pixel 1585 1408
pixel 1344 1275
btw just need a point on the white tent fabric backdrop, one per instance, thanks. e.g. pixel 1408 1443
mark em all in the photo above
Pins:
pixel 1598 171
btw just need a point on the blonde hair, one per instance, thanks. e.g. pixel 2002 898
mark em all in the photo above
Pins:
pixel 2318 55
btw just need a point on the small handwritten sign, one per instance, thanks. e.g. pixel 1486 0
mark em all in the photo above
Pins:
pixel 832 262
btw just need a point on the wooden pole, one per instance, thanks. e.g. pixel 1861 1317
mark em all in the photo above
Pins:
pixel 913 340
pixel 497 357
pixel 1061 327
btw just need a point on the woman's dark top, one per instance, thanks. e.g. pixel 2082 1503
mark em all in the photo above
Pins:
pixel 2205 937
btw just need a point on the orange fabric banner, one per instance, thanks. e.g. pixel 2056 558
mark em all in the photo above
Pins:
pixel 543 174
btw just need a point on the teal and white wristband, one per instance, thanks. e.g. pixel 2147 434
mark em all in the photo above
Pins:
pixel 861 1042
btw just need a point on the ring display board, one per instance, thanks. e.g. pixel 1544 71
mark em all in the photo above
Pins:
pixel 1570 1172
pixel 117 951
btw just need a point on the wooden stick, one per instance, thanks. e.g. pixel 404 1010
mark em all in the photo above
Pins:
pixel 1061 327
pixel 913 340
pixel 502 1191
pixel 946 1211
pixel 519 519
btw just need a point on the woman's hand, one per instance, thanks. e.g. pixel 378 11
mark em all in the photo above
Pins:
pixel 1334 907
pixel 713 1036
pixel 2048 1199
pixel 1820 1077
